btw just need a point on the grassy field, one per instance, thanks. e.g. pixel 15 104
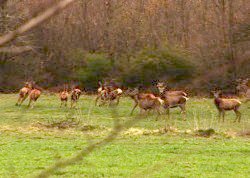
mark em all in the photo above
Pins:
pixel 29 143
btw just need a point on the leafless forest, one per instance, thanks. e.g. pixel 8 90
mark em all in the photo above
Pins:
pixel 193 44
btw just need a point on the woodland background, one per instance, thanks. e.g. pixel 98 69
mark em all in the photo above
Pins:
pixel 196 45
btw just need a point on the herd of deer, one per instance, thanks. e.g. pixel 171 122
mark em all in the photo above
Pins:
pixel 146 101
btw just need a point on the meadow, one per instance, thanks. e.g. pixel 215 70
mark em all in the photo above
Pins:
pixel 31 140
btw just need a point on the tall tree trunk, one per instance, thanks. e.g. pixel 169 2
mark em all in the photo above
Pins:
pixel 231 40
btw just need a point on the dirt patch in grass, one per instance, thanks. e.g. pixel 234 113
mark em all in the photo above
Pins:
pixel 59 124
pixel 245 133
pixel 205 132
pixel 142 131
pixel 87 127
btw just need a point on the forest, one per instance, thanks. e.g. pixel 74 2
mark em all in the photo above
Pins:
pixel 196 45
pixel 123 88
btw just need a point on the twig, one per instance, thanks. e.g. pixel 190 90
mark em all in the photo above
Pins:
pixel 51 11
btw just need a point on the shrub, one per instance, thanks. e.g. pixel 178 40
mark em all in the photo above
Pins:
pixel 97 67
pixel 158 64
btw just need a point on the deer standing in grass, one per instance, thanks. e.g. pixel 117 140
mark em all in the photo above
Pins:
pixel 226 104
pixel 64 95
pixel 172 99
pixel 101 92
pixel 145 101
pixel 24 93
pixel 75 95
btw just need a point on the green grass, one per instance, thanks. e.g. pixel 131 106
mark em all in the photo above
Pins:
pixel 26 147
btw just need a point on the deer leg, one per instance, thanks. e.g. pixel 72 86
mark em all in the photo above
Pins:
pixel 118 99
pixel 30 101
pixel 167 118
pixel 102 102
pixel 22 99
pixel 76 103
pixel 96 100
pixel 136 104
pixel 65 103
pixel 158 113
pixel 110 101
pixel 238 115
pixel 18 100
pixel 32 104
pixel 183 110
pixel 223 116
pixel 219 116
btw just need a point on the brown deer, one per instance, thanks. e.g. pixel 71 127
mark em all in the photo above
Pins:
pixel 145 101
pixel 108 94
pixel 64 98
pixel 173 99
pixel 33 96
pixel 101 92
pixel 64 95
pixel 115 95
pixel 24 93
pixel 75 95
pixel 226 104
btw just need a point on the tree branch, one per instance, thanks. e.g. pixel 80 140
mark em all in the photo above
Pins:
pixel 16 49
pixel 35 21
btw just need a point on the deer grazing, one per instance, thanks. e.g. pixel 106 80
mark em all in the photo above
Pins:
pixel 75 95
pixel 226 104
pixel 24 93
pixel 145 101
pixel 172 99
